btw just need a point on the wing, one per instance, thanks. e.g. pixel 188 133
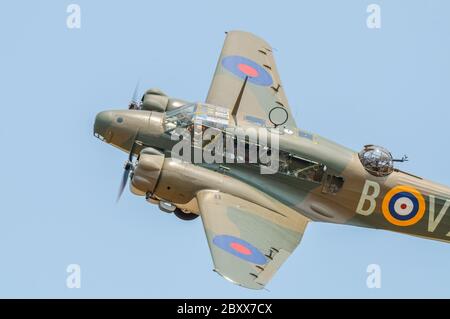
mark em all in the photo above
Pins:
pixel 246 56
pixel 248 242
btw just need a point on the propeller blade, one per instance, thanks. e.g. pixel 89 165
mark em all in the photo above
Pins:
pixel 130 155
pixel 128 168
pixel 134 104
pixel 126 174
pixel 135 93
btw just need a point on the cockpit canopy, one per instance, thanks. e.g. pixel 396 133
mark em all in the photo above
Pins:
pixel 377 160
pixel 208 115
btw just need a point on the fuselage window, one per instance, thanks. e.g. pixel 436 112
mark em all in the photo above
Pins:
pixel 300 168
pixel 332 184
pixel 306 135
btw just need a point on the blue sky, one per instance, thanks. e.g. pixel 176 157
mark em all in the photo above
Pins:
pixel 347 82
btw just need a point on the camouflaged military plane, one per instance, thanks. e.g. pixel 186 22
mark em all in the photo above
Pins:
pixel 254 221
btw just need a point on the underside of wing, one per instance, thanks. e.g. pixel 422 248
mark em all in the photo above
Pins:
pixel 246 79
pixel 248 242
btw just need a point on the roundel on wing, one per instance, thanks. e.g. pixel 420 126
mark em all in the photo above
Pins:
pixel 243 67
pixel 403 206
pixel 240 248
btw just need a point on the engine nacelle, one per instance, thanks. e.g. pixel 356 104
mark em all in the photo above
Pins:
pixel 157 100
pixel 147 171
pixel 174 181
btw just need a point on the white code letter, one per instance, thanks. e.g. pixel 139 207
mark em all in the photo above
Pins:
pixel 375 187
pixel 433 222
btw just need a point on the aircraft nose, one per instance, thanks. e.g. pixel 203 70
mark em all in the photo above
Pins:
pixel 102 125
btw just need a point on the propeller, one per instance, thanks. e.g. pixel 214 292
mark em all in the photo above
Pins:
pixel 134 104
pixel 128 167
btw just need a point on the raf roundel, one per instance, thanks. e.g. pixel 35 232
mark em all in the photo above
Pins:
pixel 240 248
pixel 403 206
pixel 243 67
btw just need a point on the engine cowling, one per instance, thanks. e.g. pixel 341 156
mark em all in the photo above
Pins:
pixel 147 171
pixel 157 100
pixel 174 181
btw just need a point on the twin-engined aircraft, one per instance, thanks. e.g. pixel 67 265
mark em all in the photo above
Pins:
pixel 255 209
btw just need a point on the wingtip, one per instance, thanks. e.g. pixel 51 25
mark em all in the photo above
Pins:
pixel 259 287
pixel 263 42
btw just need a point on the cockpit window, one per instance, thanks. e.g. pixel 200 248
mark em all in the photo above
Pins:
pixel 212 116
pixel 377 160
pixel 179 117
pixel 204 114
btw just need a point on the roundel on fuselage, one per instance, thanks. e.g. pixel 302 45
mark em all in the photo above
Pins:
pixel 403 206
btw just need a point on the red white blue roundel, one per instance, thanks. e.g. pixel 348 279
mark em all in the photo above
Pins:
pixel 240 248
pixel 243 67
pixel 403 206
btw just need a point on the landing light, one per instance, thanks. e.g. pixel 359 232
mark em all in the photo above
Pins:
pixel 100 137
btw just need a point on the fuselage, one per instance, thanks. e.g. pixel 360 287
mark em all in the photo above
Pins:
pixel 317 178
pixel 399 202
